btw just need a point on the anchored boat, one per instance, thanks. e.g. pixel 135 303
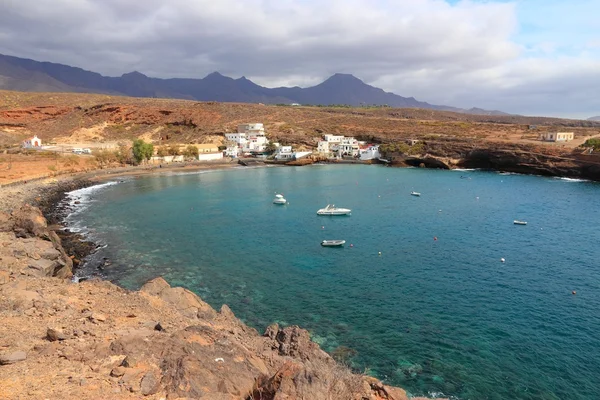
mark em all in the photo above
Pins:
pixel 331 209
pixel 279 199
pixel 517 222
pixel 415 194
pixel 332 243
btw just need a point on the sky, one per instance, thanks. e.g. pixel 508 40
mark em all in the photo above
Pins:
pixel 529 57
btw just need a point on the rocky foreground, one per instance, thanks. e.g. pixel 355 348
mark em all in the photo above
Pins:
pixel 94 340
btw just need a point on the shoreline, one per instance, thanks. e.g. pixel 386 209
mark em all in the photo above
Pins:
pixel 93 339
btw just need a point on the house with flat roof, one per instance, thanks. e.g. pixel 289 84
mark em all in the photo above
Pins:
pixel 557 136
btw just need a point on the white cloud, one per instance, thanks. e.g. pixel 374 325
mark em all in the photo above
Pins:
pixel 463 55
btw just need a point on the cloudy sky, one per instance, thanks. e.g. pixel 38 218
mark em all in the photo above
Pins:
pixel 532 57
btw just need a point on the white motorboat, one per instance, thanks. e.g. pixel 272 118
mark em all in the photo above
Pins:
pixel 331 209
pixel 517 222
pixel 332 243
pixel 415 194
pixel 279 199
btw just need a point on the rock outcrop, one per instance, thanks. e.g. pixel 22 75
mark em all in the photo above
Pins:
pixel 29 247
pixel 94 340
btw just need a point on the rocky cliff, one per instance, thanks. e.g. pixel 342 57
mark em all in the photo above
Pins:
pixel 508 157
pixel 91 340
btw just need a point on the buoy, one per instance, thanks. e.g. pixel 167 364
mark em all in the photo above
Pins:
pixel 323 227
pixel 477 197
pixel 439 210
pixel 502 260
pixel 435 238
pixel 379 253
pixel 351 245
pixel 573 292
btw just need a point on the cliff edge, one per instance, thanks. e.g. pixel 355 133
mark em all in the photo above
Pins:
pixel 93 339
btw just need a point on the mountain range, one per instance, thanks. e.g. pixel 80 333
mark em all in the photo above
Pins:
pixel 26 75
pixel 596 118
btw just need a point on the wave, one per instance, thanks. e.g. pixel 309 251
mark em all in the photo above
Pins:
pixel 571 179
pixel 464 169
pixel 78 200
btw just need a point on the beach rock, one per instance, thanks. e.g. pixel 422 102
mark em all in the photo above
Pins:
pixel 97 317
pixel 54 334
pixel 31 220
pixel 43 267
pixel 150 384
pixel 185 301
pixel 11 358
pixel 6 222
pixel 294 341
pixel 129 362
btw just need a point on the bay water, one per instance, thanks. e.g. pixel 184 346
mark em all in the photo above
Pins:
pixel 418 296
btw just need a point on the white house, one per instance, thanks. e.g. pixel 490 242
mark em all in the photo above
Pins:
pixel 348 147
pixel 284 153
pixel 250 138
pixel 32 142
pixel 333 138
pixel 255 135
pixel 370 153
pixel 557 136
pixel 323 147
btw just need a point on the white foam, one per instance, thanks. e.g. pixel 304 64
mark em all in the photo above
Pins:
pixel 571 179
pixel 464 169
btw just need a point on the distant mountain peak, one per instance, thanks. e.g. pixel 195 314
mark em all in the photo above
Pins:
pixel 340 77
pixel 597 118
pixel 134 74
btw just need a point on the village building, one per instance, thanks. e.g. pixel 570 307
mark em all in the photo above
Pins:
pixel 371 152
pixel 323 147
pixel 250 138
pixel 557 136
pixel 33 142
pixel 284 153
pixel 333 138
pixel 348 147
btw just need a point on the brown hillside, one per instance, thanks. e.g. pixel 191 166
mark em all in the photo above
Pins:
pixel 71 118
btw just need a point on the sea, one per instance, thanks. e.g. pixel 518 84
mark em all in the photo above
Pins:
pixel 441 294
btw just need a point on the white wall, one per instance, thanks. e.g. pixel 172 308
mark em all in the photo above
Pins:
pixel 210 156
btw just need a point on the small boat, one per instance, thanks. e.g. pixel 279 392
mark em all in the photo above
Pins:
pixel 331 209
pixel 333 243
pixel 279 199
pixel 415 194
pixel 517 222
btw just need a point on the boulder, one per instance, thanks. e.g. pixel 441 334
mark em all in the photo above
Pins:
pixel 43 267
pixel 31 220
pixel 185 301
pixel 11 358
pixel 6 222
pixel 155 286
pixel 150 384
pixel 54 334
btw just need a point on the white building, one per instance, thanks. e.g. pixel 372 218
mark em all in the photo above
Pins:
pixel 284 153
pixel 250 138
pixel 210 156
pixel 323 147
pixel 255 135
pixel 348 147
pixel 32 142
pixel 370 153
pixel 333 138
pixel 557 136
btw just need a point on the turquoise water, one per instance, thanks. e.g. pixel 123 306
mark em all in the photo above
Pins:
pixel 438 316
